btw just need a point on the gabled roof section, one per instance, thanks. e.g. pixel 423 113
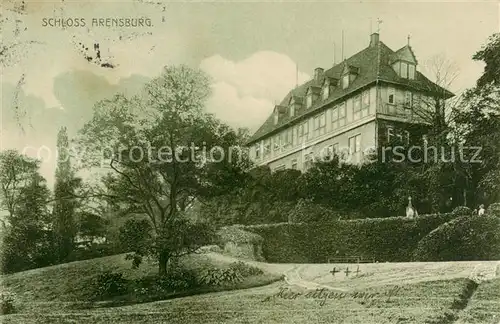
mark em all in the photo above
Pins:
pixel 330 81
pixel 372 63
pixel 350 69
pixel 404 54
pixel 279 109
pixel 314 89
pixel 295 99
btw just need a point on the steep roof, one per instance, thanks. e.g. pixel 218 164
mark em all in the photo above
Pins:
pixel 404 53
pixel 369 66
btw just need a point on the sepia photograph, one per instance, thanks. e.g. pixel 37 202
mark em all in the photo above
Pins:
pixel 250 162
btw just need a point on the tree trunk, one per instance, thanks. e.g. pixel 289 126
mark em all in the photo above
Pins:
pixel 163 263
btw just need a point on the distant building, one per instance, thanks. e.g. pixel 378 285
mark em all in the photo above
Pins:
pixel 357 105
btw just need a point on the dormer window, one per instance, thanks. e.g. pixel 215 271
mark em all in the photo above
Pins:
pixel 312 95
pixel 405 70
pixel 326 91
pixel 349 73
pixel 328 85
pixel 276 117
pixel 411 72
pixel 309 100
pixel 345 81
pixel 292 110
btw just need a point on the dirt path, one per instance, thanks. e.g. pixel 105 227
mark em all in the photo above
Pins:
pixel 313 276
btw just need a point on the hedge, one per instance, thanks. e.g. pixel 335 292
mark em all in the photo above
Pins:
pixel 465 238
pixel 381 239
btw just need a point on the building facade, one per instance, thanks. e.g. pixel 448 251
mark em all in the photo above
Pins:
pixel 351 109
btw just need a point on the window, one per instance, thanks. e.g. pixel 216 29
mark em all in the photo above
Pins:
pixel 294 164
pixel 332 149
pixel 404 70
pixel 308 160
pixel 288 138
pixel 342 112
pixel 326 91
pixel 258 148
pixel 345 81
pixel 292 110
pixel 319 124
pixel 411 71
pixel 355 144
pixel 267 147
pixel 357 107
pixel 309 100
pixel 294 136
pixel 282 140
pixel 275 118
pixel 306 128
pixel 303 130
pixel 276 143
pixel 408 99
pixel 391 95
pixel 335 117
pixel 366 98
pixel 279 168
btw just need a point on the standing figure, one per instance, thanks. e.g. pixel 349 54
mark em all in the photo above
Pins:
pixel 481 210
pixel 410 211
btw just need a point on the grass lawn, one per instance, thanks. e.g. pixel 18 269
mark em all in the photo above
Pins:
pixel 432 293
pixel 415 303
pixel 69 286
pixel 484 306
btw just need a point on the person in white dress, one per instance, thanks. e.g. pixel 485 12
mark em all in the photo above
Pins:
pixel 481 210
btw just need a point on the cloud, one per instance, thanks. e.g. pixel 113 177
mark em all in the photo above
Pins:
pixel 235 109
pixel 245 92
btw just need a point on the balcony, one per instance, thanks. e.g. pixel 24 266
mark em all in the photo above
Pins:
pixel 402 112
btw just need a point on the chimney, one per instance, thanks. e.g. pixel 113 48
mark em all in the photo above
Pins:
pixel 318 73
pixel 373 39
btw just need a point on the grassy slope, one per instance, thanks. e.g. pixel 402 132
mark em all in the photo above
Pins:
pixel 67 285
pixel 418 303
pixel 430 301
pixel 484 306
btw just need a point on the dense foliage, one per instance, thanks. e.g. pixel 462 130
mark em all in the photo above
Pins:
pixel 462 239
pixel 390 239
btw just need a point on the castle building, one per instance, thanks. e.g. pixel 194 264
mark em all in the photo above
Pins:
pixel 352 109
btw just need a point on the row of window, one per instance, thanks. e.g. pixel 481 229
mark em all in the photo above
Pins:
pixel 405 70
pixel 408 97
pixel 354 146
pixel 296 135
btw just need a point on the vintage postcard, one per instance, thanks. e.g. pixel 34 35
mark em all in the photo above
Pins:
pixel 250 162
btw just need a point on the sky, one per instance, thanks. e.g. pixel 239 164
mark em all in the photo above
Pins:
pixel 250 50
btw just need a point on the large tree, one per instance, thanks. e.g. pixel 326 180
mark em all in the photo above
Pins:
pixel 158 150
pixel 64 203
pixel 26 233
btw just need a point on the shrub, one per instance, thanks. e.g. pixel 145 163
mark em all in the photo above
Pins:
pixel 210 248
pixel 462 211
pixel 464 238
pixel 177 279
pixel 110 284
pixel 245 270
pixel 382 239
pixel 494 209
pixel 219 277
pixel 7 302
pixel 237 235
